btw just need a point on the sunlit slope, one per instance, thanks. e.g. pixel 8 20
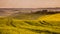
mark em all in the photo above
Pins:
pixel 53 17
pixel 46 24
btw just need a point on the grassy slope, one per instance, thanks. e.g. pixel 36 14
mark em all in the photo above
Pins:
pixel 47 24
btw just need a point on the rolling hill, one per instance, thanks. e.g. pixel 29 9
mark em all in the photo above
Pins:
pixel 29 23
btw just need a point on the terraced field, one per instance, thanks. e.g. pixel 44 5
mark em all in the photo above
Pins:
pixel 46 24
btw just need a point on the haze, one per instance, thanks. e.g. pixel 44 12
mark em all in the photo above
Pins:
pixel 29 3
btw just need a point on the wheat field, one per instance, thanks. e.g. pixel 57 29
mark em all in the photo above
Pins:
pixel 45 24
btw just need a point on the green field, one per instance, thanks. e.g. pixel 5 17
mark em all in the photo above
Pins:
pixel 45 24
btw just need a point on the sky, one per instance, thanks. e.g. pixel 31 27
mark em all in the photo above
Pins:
pixel 29 3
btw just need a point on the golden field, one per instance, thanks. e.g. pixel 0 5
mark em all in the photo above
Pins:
pixel 46 24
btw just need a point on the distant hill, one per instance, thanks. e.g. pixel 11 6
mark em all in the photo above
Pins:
pixel 26 13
